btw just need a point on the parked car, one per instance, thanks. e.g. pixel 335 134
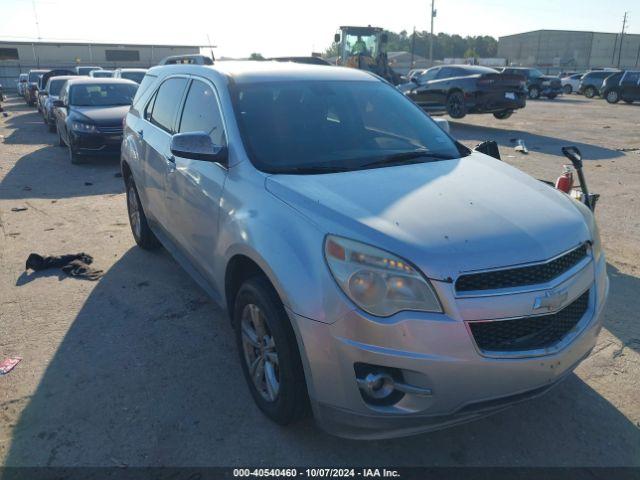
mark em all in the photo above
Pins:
pixel 86 69
pixel 89 115
pixel 623 85
pixel 133 74
pixel 43 93
pixel 101 73
pixel 23 81
pixel 571 83
pixel 415 72
pixel 461 89
pixel 53 87
pixel 591 82
pixel 370 264
pixel 537 84
pixel 31 89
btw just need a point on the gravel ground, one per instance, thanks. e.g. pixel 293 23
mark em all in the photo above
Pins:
pixel 140 367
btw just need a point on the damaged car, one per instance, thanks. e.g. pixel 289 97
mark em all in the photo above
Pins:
pixel 376 272
pixel 461 89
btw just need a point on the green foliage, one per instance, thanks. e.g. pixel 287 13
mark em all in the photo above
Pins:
pixel 256 56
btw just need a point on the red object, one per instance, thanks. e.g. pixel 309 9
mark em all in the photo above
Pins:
pixel 7 364
pixel 564 183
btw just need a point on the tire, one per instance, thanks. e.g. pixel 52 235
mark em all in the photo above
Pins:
pixel 142 234
pixel 612 96
pixel 74 157
pixel 455 105
pixel 503 115
pixel 628 101
pixel 52 127
pixel 590 92
pixel 60 140
pixel 534 93
pixel 567 89
pixel 263 331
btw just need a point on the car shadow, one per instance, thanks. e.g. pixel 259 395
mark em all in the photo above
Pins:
pixel 148 374
pixel 539 143
pixel 28 128
pixel 622 316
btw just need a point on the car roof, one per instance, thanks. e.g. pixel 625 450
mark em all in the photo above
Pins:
pixel 62 77
pixel 101 81
pixel 264 71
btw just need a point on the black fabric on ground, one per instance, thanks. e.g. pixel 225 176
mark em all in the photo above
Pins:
pixel 75 265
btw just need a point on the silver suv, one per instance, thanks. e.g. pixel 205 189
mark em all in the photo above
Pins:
pixel 373 268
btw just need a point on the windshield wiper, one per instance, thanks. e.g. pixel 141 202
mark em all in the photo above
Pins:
pixel 311 170
pixel 406 156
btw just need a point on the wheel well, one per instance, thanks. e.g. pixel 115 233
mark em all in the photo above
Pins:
pixel 454 90
pixel 239 269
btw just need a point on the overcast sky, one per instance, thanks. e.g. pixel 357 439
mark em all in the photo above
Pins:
pixel 294 27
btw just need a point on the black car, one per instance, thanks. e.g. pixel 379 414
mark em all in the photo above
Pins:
pixel 461 89
pixel 538 84
pixel 31 89
pixel 623 85
pixel 591 82
pixel 89 114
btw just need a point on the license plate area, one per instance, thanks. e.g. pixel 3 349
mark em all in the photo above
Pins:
pixel 510 95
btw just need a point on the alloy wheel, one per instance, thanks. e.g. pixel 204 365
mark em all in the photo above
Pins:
pixel 260 352
pixel 134 210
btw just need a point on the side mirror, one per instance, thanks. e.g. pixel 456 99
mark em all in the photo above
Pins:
pixel 198 146
pixel 58 103
pixel 336 38
pixel 573 154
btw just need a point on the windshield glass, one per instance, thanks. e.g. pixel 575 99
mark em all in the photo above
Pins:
pixel 101 95
pixel 135 76
pixel 34 76
pixel 288 127
pixel 55 86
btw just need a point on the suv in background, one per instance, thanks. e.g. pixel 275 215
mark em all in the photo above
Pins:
pixel 86 69
pixel 133 74
pixel 623 85
pixel 538 84
pixel 591 82
pixel 31 89
pixel 570 83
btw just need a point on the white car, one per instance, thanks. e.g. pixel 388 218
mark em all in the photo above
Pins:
pixel 570 84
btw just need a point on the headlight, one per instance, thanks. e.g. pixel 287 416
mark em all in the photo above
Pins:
pixel 83 127
pixel 377 281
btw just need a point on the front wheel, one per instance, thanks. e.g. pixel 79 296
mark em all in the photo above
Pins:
pixel 612 96
pixel 60 140
pixel 534 93
pixel 74 157
pixel 567 89
pixel 269 352
pixel 590 92
pixel 142 233
pixel 455 105
pixel 503 115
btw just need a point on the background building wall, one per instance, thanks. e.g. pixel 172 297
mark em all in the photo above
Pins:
pixel 60 55
pixel 563 50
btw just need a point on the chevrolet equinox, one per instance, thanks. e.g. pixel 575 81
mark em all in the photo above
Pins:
pixel 375 270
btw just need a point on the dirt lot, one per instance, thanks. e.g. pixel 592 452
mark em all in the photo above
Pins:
pixel 140 368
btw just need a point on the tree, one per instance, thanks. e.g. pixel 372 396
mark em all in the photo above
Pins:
pixel 256 56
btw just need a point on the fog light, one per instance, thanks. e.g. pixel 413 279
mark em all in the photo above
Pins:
pixel 377 385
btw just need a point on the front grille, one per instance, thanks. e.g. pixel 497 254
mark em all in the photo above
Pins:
pixel 115 130
pixel 529 333
pixel 521 276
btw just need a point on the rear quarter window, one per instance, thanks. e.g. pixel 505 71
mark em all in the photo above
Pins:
pixel 143 89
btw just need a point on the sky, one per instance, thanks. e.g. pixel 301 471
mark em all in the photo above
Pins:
pixel 294 27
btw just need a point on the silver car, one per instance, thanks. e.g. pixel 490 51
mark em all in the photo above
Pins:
pixel 374 269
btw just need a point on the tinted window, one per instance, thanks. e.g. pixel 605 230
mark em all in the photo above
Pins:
pixel 201 113
pixel 135 76
pixel 55 86
pixel 631 78
pixel 166 103
pixel 101 95
pixel 101 74
pixel 429 75
pixel 34 76
pixel 344 125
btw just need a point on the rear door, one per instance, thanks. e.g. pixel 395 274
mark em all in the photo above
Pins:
pixel 195 187
pixel 160 119
pixel 630 84
pixel 423 95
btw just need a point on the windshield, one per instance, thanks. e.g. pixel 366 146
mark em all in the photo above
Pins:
pixel 34 76
pixel 101 95
pixel 289 127
pixel 101 74
pixel 135 76
pixel 55 86
pixel 535 73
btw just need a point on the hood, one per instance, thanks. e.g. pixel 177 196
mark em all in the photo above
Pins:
pixel 446 217
pixel 103 115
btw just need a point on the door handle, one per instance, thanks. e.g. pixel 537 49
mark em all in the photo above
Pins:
pixel 171 163
pixel 140 132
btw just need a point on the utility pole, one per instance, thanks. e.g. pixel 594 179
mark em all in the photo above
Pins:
pixel 413 46
pixel 624 24
pixel 433 14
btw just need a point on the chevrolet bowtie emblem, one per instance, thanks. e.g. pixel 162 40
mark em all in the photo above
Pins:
pixel 550 301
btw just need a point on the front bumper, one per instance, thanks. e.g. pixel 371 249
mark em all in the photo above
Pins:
pixel 435 352
pixel 96 143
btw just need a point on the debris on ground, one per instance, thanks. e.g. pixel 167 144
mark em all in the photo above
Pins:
pixel 19 209
pixel 75 265
pixel 629 149
pixel 8 364
pixel 521 147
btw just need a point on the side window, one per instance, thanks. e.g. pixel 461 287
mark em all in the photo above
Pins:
pixel 631 78
pixel 165 103
pixel 428 75
pixel 447 72
pixel 149 108
pixel 201 113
